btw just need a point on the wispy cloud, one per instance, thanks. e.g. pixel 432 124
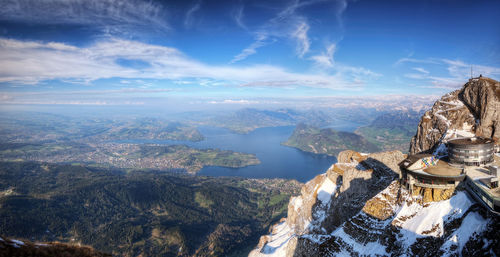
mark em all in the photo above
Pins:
pixel 413 60
pixel 238 14
pixel 325 59
pixel 189 19
pixel 420 69
pixel 261 40
pixel 286 24
pixel 108 15
pixel 231 101
pixel 326 62
pixel 303 42
pixel 457 71
pixel 30 62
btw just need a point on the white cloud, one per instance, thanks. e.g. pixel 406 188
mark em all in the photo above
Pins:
pixel 251 49
pixel 416 76
pixel 458 71
pixel 230 101
pixel 107 14
pixel 413 60
pixel 238 15
pixel 420 69
pixel 29 62
pixel 286 24
pixel 326 63
pixel 303 42
pixel 325 59
pixel 188 21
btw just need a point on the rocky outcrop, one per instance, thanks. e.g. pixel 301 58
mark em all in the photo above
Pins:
pixel 392 223
pixel 483 99
pixel 329 199
pixel 427 195
pixel 332 198
pixel 472 110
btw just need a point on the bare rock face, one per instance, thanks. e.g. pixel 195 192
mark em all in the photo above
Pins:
pixel 483 99
pixel 332 198
pixel 349 156
pixel 300 208
pixel 474 109
pixel 355 183
pixel 345 212
pixel 428 195
pixel 381 206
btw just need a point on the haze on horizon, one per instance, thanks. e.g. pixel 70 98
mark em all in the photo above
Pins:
pixel 177 54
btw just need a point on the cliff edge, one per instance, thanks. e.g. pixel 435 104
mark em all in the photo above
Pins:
pixel 472 110
pixel 357 208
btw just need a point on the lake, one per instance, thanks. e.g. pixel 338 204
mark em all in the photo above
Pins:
pixel 277 161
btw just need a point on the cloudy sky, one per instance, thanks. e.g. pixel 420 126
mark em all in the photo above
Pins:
pixel 134 51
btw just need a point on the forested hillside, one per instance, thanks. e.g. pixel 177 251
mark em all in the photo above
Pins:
pixel 148 213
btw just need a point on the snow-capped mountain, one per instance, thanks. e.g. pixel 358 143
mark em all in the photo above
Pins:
pixel 358 208
pixel 472 110
pixel 391 223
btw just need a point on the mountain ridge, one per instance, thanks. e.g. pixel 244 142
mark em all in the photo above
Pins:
pixel 472 110
pixel 327 141
pixel 387 219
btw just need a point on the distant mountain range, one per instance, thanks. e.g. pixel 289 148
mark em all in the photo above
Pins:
pixel 248 119
pixel 389 131
pixel 392 131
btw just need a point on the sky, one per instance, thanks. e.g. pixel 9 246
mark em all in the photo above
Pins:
pixel 237 52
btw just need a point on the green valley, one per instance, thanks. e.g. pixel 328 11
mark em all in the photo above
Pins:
pixel 138 213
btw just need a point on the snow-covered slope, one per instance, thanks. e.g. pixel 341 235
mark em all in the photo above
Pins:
pixel 391 223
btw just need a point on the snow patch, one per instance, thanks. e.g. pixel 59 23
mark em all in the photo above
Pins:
pixel 297 203
pixel 17 242
pixel 277 244
pixel 418 221
pixel 326 190
pixel 370 248
pixel 472 223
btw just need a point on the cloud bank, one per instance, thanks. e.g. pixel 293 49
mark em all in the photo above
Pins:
pixel 31 62
pixel 108 15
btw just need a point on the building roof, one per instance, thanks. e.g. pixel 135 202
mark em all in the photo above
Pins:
pixel 471 141
pixel 411 159
pixel 443 169
pixel 440 169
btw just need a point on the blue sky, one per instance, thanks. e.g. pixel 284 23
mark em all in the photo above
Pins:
pixel 234 52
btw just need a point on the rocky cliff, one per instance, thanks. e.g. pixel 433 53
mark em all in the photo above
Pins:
pixel 472 110
pixel 357 208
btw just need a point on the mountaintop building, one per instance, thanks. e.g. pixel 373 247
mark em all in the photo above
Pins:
pixel 426 170
pixel 473 151
pixel 471 160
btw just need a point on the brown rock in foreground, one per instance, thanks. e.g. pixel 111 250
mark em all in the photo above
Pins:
pixel 11 248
